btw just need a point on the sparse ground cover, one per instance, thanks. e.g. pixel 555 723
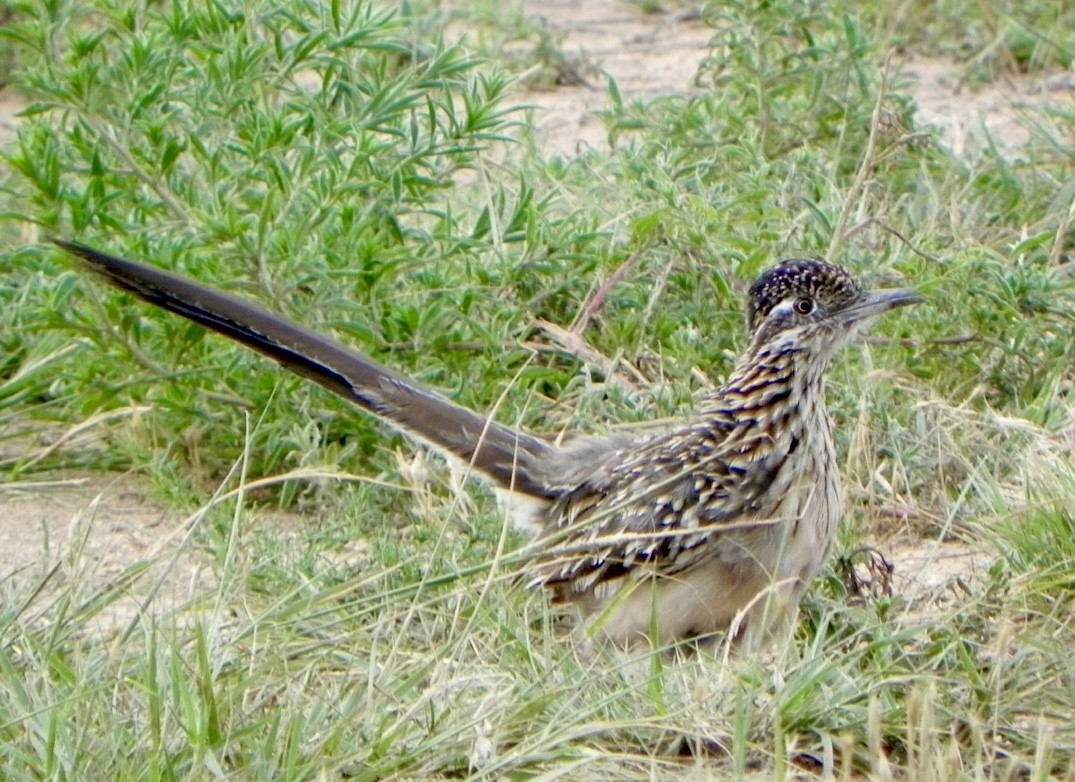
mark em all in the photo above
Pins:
pixel 213 571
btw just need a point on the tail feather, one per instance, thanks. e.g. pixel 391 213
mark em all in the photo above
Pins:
pixel 505 456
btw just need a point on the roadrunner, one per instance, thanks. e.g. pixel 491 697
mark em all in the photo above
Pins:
pixel 716 526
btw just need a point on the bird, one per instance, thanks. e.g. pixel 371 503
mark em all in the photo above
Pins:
pixel 713 528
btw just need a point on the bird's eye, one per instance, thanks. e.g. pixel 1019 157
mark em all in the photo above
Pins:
pixel 804 305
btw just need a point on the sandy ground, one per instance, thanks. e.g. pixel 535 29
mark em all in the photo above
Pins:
pixel 92 527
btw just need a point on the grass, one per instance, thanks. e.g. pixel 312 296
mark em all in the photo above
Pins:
pixel 354 168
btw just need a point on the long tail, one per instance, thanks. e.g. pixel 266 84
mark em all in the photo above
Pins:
pixel 503 455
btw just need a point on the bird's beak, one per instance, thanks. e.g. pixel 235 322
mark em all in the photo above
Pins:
pixel 871 303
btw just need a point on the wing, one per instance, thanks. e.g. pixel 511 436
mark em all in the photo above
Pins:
pixel 651 506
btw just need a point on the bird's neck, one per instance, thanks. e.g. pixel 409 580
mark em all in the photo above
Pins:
pixel 773 399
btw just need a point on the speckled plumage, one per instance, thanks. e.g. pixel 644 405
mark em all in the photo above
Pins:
pixel 719 524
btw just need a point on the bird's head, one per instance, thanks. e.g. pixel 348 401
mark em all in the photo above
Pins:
pixel 815 304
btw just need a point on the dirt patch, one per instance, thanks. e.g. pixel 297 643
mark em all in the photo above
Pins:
pixel 94 535
pixel 93 527
pixel 647 55
pixel 929 574
pixel 968 119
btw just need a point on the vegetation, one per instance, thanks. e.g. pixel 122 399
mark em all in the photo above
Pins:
pixel 358 168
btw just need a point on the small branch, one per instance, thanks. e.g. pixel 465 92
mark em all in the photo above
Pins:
pixel 962 339
pixel 865 167
pixel 573 344
pixel 121 150
pixel 886 227
pixel 593 306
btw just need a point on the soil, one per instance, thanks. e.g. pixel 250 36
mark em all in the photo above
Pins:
pixel 94 526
